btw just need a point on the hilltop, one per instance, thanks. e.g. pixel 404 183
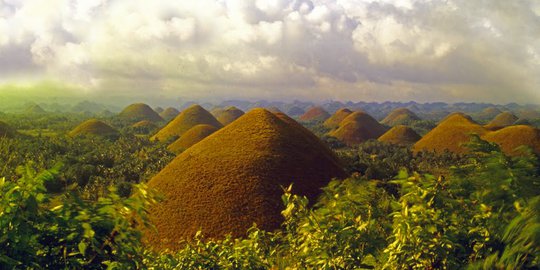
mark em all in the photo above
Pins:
pixel 233 179
pixel 187 119
pixel 191 137
pixel 358 127
pixel 400 116
pixel 401 135
pixel 169 113
pixel 93 127
pixel 512 137
pixel 315 114
pixel 336 118
pixel 503 119
pixel 450 134
pixel 228 115
pixel 139 112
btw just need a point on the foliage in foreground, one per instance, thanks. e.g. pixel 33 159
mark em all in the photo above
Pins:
pixel 484 215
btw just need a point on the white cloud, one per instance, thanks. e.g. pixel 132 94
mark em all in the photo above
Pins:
pixel 407 49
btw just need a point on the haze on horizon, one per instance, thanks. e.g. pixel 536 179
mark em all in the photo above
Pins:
pixel 453 50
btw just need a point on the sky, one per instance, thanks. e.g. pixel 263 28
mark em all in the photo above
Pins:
pixel 359 50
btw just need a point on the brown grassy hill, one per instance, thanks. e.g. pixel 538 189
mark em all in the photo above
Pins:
pixel 93 127
pixel 169 113
pixel 401 135
pixel 489 113
pixel 529 114
pixel 358 127
pixel 336 118
pixel 191 137
pixel 232 179
pixel 510 138
pixel 144 127
pixel 503 119
pixel 6 131
pixel 228 115
pixel 400 116
pixel 450 134
pixel 188 118
pixel 315 114
pixel 139 112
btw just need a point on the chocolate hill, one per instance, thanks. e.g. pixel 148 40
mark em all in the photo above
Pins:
pixel 357 128
pixel 35 109
pixel 169 114
pixel 315 114
pixel 450 134
pixel 503 119
pixel 510 138
pixel 188 118
pixel 228 115
pixel 400 116
pixel 401 135
pixel 336 118
pixel 6 131
pixel 489 113
pixel 191 137
pixel 144 127
pixel 139 112
pixel 232 179
pixel 158 109
pixel 93 127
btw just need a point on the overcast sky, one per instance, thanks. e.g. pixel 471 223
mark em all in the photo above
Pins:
pixel 454 50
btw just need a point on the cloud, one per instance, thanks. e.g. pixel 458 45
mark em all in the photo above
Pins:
pixel 322 49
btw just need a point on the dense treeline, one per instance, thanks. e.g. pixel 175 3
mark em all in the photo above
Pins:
pixel 484 214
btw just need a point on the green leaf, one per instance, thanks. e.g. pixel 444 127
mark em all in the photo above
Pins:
pixel 82 247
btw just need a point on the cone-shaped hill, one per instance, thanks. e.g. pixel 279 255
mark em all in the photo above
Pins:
pixel 401 135
pixel 503 119
pixel 336 118
pixel 35 109
pixel 169 113
pixel 489 113
pixel 450 134
pixel 93 127
pixel 315 114
pixel 357 128
pixel 6 130
pixel 228 115
pixel 510 138
pixel 232 179
pixel 400 116
pixel 139 112
pixel 144 127
pixel 191 137
pixel 158 109
pixel 188 118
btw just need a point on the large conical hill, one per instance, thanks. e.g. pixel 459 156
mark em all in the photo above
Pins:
pixel 512 137
pixel 315 114
pixel 93 127
pixel 233 178
pixel 188 118
pixel 191 137
pixel 502 120
pixel 228 115
pixel 139 112
pixel 400 116
pixel 357 128
pixel 401 135
pixel 169 113
pixel 451 134
pixel 336 118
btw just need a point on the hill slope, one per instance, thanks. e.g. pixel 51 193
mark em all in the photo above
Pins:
pixel 232 179
pixel 139 112
pixel 169 113
pixel 503 119
pixel 228 115
pixel 510 138
pixel 93 127
pixel 357 128
pixel 190 117
pixel 191 137
pixel 315 114
pixel 401 135
pixel 336 118
pixel 400 116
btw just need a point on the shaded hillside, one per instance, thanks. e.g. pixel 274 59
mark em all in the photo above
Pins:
pixel 357 128
pixel 503 119
pixel 169 113
pixel 336 118
pixel 233 179
pixel 228 115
